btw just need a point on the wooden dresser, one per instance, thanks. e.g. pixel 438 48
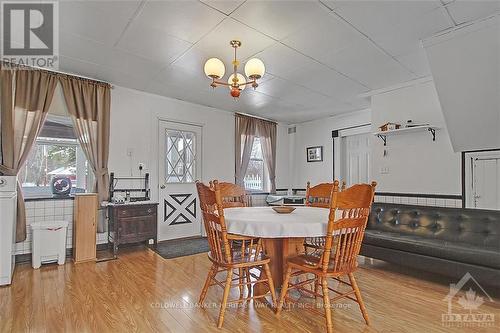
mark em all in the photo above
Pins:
pixel 132 223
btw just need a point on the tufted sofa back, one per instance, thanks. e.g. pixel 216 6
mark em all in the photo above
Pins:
pixel 470 226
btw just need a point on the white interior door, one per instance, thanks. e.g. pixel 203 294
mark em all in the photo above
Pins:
pixel 486 182
pixel 356 159
pixel 179 168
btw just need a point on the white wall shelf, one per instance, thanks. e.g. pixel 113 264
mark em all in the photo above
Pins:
pixel 405 130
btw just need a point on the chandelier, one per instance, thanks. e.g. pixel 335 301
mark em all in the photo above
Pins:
pixel 254 70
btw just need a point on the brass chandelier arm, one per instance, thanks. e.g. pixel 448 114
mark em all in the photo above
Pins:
pixel 222 83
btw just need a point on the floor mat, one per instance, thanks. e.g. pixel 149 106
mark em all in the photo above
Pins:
pixel 181 247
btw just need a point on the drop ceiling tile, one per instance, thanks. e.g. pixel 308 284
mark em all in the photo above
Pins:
pixel 95 71
pixel 152 43
pixel 180 76
pixel 72 46
pixel 78 67
pixel 274 55
pixel 326 81
pixel 216 44
pixel 406 39
pixel 225 6
pixel 278 18
pixel 187 20
pixel 397 26
pixel 378 17
pixel 416 62
pixel 102 21
pixel 293 93
pixel 323 38
pixel 122 78
pixel 366 63
pixel 464 11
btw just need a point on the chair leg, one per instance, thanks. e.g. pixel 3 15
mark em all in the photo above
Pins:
pixel 361 303
pixel 248 280
pixel 326 305
pixel 227 287
pixel 284 289
pixel 271 285
pixel 240 280
pixel 317 282
pixel 210 276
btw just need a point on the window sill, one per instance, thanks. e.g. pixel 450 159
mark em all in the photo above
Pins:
pixel 49 197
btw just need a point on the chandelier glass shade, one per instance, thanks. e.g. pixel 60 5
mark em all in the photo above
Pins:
pixel 254 70
pixel 214 68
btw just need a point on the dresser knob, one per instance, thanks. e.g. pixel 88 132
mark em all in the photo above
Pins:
pixel 150 210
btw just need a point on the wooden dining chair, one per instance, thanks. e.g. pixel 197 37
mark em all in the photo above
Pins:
pixel 318 196
pixel 346 225
pixel 228 258
pixel 233 195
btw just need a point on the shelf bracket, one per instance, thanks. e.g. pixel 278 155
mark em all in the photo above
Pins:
pixel 383 137
pixel 433 133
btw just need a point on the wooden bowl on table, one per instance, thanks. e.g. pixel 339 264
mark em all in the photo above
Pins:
pixel 283 209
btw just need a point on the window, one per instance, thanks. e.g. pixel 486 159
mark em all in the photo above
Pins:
pixel 56 165
pixel 181 156
pixel 256 175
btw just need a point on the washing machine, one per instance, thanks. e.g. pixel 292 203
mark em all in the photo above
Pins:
pixel 8 208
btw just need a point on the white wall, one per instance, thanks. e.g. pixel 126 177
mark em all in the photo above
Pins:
pixel 134 126
pixel 319 133
pixel 416 164
pixel 282 157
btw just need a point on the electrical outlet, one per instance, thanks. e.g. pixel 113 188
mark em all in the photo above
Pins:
pixel 151 241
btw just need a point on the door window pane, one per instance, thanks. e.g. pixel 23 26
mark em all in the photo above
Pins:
pixel 180 156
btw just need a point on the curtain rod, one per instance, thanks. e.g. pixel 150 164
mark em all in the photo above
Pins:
pixel 256 117
pixel 57 72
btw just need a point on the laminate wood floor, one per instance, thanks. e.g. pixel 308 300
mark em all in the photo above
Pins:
pixel 142 292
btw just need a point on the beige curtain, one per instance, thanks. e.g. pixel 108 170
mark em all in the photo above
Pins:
pixel 267 134
pixel 26 95
pixel 89 106
pixel 245 131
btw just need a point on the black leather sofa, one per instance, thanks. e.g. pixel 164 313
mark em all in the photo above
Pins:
pixel 447 241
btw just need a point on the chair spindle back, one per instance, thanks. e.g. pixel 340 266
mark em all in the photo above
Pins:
pixel 320 195
pixel 213 218
pixel 346 226
pixel 233 195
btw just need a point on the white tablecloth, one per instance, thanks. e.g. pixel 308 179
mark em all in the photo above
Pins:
pixel 265 222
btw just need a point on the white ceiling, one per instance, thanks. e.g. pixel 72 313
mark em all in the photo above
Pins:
pixel 319 55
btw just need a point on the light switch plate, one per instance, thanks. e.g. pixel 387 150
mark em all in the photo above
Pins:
pixel 384 170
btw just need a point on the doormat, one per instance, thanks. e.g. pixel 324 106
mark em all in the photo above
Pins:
pixel 181 247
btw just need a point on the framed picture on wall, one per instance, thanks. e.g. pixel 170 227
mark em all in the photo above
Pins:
pixel 314 154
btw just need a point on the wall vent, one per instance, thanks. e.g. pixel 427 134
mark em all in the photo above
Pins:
pixel 292 130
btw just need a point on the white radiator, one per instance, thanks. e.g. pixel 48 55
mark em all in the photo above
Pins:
pixel 8 207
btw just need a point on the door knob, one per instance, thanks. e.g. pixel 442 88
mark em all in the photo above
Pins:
pixel 162 186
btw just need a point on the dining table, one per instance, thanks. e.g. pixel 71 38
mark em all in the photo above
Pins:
pixel 282 234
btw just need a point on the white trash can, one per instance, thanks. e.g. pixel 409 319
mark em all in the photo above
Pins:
pixel 49 242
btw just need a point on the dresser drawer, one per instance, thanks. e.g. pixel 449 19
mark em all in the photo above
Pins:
pixel 135 211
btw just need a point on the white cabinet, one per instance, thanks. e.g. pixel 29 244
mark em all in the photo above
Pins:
pixel 8 207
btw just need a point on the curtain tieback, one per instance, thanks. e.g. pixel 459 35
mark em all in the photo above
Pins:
pixel 101 172
pixel 8 171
